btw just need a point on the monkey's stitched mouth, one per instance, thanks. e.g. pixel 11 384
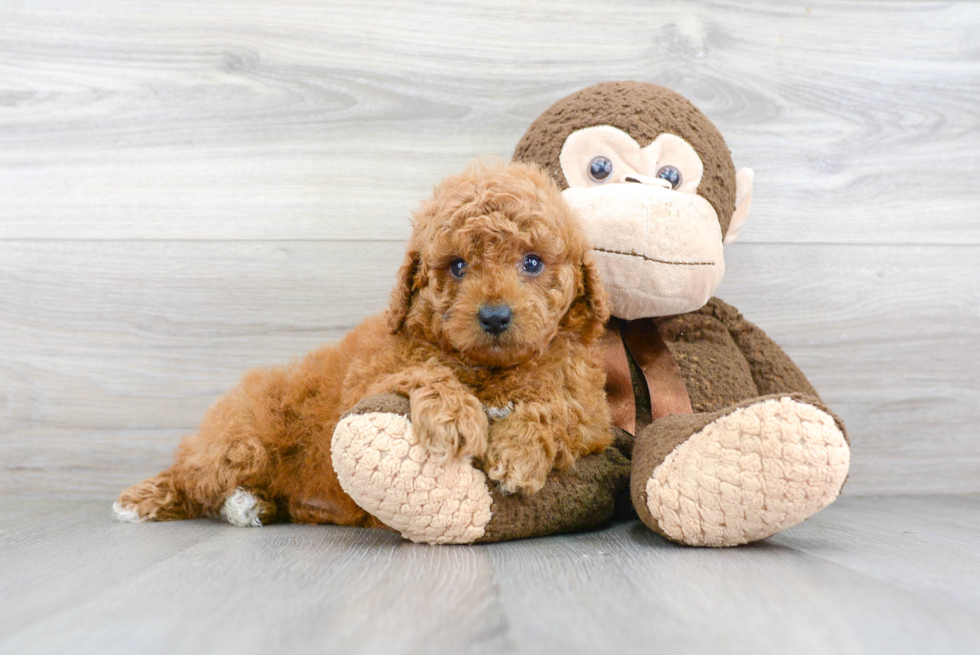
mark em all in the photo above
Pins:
pixel 651 259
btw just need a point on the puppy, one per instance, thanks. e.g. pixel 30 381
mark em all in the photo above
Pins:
pixel 497 312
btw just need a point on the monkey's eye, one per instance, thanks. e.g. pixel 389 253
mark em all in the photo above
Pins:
pixel 670 174
pixel 600 168
pixel 533 264
pixel 457 268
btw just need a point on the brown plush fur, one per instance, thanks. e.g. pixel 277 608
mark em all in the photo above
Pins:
pixel 271 435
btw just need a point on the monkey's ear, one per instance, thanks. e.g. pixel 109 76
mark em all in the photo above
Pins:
pixel 401 296
pixel 743 201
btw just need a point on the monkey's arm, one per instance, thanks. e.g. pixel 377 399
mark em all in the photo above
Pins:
pixel 772 369
pixel 375 456
pixel 448 418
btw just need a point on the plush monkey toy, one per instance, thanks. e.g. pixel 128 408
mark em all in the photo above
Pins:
pixel 732 443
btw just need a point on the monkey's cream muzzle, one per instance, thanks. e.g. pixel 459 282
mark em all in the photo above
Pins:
pixel 659 251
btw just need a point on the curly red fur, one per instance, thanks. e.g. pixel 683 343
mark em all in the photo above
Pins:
pixel 271 435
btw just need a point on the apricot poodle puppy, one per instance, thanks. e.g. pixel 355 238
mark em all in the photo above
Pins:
pixel 497 313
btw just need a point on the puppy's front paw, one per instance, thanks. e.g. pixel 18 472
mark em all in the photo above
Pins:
pixel 518 466
pixel 449 424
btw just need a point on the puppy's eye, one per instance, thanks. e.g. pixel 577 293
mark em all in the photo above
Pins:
pixel 457 268
pixel 533 265
pixel 671 174
pixel 600 168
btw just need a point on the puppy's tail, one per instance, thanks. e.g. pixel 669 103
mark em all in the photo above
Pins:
pixel 160 498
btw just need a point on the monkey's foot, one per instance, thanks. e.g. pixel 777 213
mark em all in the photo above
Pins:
pixel 381 465
pixel 738 475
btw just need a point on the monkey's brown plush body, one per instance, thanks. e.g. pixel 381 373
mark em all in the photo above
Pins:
pixel 732 444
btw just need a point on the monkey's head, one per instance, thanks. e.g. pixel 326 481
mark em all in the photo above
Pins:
pixel 654 186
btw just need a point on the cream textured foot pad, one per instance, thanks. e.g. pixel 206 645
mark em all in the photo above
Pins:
pixel 749 474
pixel 383 468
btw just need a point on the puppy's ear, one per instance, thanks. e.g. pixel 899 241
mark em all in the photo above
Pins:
pixel 401 297
pixel 590 310
pixel 595 294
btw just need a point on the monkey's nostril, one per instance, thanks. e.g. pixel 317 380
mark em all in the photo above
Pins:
pixel 494 319
pixel 630 178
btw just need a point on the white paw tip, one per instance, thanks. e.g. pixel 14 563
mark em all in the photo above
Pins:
pixel 241 509
pixel 125 514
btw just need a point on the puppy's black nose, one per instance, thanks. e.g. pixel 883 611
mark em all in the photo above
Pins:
pixel 495 318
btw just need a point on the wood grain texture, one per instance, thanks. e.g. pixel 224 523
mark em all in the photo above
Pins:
pixel 112 350
pixel 868 575
pixel 191 189
pixel 251 119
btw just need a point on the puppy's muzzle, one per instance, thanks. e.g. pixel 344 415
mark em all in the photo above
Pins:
pixel 495 319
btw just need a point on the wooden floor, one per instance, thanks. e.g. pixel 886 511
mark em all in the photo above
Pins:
pixel 869 575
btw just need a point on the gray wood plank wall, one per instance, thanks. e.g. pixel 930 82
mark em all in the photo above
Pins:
pixel 190 189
